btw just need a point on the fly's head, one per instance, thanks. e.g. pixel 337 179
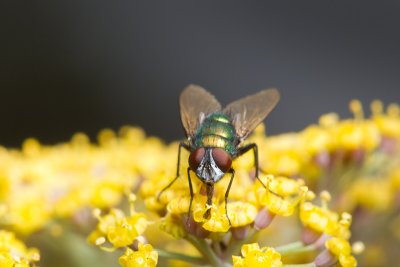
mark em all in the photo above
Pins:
pixel 210 164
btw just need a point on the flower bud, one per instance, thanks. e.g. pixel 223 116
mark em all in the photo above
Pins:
pixel 263 219
pixel 325 259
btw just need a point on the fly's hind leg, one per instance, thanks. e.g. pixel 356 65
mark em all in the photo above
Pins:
pixel 185 146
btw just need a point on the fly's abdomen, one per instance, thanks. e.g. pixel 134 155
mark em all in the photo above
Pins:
pixel 216 131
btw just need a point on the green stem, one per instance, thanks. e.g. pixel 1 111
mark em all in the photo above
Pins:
pixel 235 245
pixel 290 246
pixel 205 250
pixel 182 257
pixel 294 248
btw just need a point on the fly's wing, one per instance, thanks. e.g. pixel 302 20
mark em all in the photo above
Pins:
pixel 195 104
pixel 246 113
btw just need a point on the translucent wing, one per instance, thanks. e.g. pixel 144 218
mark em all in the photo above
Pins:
pixel 195 104
pixel 246 113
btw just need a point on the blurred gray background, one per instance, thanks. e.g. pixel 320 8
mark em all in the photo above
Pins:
pixel 68 66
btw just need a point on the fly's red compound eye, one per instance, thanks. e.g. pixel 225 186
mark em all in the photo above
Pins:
pixel 222 159
pixel 195 158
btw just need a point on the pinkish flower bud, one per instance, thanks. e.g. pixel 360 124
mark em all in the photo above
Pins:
pixel 309 236
pixel 325 259
pixel 323 159
pixel 388 145
pixel 240 233
pixel 320 243
pixel 263 219
pixel 194 228
pixel 358 156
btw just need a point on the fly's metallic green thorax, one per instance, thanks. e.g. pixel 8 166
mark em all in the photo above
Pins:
pixel 216 131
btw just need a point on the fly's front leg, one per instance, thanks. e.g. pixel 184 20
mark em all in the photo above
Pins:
pixel 232 171
pixel 255 150
pixel 185 146
pixel 246 148
pixel 191 196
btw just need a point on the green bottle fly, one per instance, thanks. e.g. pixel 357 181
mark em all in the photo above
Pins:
pixel 215 135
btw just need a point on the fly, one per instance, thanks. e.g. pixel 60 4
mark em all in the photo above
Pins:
pixel 214 136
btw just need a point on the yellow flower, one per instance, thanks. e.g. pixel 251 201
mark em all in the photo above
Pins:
pixel 323 220
pixel 14 253
pixel 240 213
pixel 373 194
pixel 317 139
pixel 218 221
pixel 284 154
pixel 119 229
pixel 389 123
pixel 172 224
pixel 357 133
pixel 180 205
pixel 395 179
pixel 126 230
pixel 4 185
pixel 254 256
pixel 341 249
pixel 282 195
pixel 352 135
pixel 144 257
pixel 317 218
pixel 27 212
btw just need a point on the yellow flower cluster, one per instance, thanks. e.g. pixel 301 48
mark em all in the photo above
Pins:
pixel 247 199
pixel 324 221
pixel 61 181
pixel 123 231
pixel 252 206
pixel 14 253
pixel 357 160
pixel 118 229
pixel 40 182
pixel 335 153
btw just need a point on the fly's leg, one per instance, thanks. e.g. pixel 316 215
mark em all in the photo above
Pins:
pixel 191 196
pixel 253 146
pixel 210 193
pixel 232 171
pixel 246 148
pixel 185 146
